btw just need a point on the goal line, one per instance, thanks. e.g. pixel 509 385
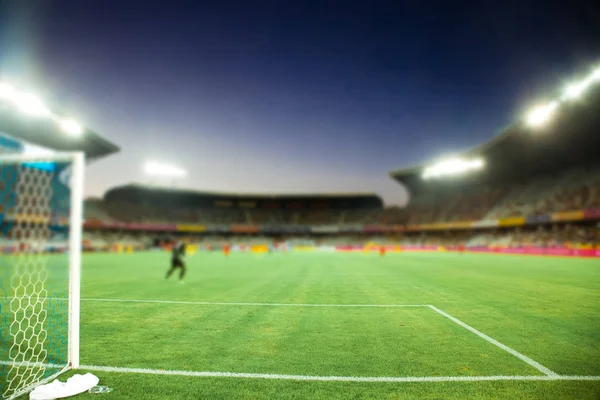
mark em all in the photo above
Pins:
pixel 333 378
pixel 342 378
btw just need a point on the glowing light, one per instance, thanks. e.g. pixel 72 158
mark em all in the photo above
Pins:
pixel 7 91
pixel 541 114
pixel 575 90
pixel 595 76
pixel 452 167
pixel 164 170
pixel 70 126
pixel 31 105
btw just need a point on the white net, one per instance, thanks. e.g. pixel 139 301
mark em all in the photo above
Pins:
pixel 34 280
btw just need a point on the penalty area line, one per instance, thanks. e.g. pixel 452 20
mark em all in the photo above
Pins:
pixel 493 341
pixel 206 374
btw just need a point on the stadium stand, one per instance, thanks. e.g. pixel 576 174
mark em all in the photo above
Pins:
pixel 537 188
pixel 136 203
pixel 94 210
pixel 526 174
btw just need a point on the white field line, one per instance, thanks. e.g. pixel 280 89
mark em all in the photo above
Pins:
pixel 493 341
pixel 211 303
pixel 244 375
pixel 338 378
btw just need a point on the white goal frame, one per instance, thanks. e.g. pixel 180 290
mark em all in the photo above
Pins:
pixel 76 161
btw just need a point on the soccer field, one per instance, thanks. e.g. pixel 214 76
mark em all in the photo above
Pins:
pixel 339 326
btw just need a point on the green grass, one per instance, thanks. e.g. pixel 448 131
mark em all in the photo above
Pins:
pixel 545 308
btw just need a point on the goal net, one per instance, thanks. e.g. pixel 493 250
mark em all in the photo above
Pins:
pixel 40 257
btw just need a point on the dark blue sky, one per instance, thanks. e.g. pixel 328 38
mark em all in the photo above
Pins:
pixel 293 96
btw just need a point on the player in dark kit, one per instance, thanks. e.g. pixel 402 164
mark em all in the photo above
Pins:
pixel 177 253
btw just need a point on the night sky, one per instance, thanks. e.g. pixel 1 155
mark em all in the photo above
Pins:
pixel 293 96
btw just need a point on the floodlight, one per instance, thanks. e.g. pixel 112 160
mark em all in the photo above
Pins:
pixel 31 105
pixel 575 90
pixel 164 170
pixel 70 126
pixel 541 114
pixel 452 167
pixel 595 75
pixel 7 91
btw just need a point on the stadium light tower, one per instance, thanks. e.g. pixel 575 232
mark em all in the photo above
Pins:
pixel 159 171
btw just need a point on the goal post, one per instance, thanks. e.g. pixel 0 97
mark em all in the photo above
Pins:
pixel 41 218
pixel 75 244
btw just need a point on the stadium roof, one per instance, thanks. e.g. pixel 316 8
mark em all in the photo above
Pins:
pixel 26 118
pixel 572 139
pixel 45 133
pixel 153 194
